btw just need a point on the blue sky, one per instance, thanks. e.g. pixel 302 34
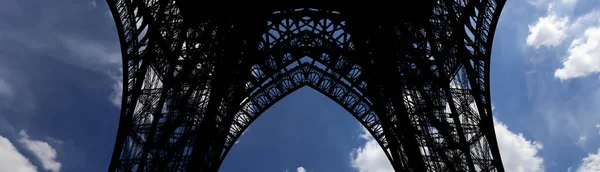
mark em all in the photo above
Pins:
pixel 59 85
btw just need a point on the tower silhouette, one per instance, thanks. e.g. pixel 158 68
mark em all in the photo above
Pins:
pixel 413 73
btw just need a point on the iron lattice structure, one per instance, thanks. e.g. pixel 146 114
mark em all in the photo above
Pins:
pixel 197 76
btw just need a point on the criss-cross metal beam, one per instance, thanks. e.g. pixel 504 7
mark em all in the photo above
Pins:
pixel 196 76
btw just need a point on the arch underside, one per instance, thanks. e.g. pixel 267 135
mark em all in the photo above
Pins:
pixel 194 84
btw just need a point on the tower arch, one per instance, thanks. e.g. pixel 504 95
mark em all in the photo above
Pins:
pixel 195 78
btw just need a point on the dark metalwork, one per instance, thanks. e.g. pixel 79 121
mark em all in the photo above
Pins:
pixel 416 76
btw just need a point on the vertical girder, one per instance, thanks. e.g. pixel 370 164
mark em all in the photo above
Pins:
pixel 196 76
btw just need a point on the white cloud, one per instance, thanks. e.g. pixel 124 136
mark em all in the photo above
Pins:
pixel 42 151
pixel 370 157
pixel 584 56
pixel 583 33
pixel 301 169
pixel 548 31
pixel 518 153
pixel 551 30
pixel 591 163
pixel 116 96
pixel 12 160
pixel 366 135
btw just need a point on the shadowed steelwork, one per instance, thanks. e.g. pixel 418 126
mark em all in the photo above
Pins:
pixel 415 76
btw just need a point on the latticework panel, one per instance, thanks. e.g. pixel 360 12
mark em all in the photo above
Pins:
pixel 195 80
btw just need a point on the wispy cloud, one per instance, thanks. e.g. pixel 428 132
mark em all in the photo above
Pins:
pixel 55 31
pixel 564 92
pixel 93 4
pixel 14 91
pixel 5 89
pixel 42 151
pixel 581 141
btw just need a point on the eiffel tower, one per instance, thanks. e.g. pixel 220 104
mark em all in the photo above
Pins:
pixel 415 74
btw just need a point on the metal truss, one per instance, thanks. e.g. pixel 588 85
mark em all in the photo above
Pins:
pixel 196 77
